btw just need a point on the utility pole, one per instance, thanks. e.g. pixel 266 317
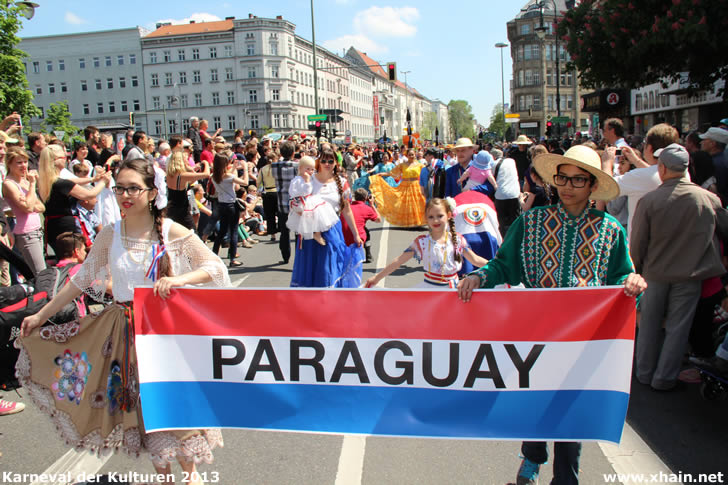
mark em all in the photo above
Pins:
pixel 315 72
pixel 406 93
pixel 500 46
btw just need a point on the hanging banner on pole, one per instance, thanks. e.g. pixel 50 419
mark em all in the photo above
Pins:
pixel 430 366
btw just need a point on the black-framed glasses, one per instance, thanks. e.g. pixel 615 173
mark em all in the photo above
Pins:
pixel 577 181
pixel 133 191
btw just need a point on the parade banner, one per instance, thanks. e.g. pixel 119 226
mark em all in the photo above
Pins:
pixel 510 364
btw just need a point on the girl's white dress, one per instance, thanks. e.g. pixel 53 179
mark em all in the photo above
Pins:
pixel 438 260
pixel 309 212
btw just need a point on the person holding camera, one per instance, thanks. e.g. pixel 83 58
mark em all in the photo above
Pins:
pixel 364 209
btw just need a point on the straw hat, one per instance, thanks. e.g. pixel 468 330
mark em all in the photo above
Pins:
pixel 522 140
pixel 586 159
pixel 463 143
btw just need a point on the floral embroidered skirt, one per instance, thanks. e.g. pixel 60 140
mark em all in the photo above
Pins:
pixel 84 375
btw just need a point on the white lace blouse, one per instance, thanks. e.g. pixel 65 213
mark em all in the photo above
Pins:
pixel 110 258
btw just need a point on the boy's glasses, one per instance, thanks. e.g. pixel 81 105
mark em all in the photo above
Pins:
pixel 578 181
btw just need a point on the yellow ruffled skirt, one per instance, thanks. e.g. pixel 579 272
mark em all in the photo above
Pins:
pixel 402 206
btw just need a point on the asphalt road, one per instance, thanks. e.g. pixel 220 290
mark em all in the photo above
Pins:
pixel 680 429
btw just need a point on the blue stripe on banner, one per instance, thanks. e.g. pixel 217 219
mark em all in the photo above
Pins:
pixel 396 411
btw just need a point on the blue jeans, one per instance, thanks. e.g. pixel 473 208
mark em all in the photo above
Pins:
pixel 566 459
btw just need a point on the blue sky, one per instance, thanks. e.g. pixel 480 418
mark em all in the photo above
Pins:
pixel 449 51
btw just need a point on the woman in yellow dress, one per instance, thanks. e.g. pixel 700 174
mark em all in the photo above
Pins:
pixel 403 205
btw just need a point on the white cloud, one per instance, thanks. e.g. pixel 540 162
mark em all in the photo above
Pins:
pixel 197 17
pixel 387 21
pixel 73 19
pixel 360 42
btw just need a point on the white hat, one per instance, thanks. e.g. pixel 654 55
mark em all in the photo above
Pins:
pixel 522 140
pixel 463 143
pixel 716 134
pixel 586 159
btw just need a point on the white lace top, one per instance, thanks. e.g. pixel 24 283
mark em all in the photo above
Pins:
pixel 330 193
pixel 110 258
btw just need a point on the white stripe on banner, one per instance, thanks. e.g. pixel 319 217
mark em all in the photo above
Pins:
pixel 462 365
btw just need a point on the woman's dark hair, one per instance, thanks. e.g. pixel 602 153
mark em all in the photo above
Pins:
pixel 77 148
pixel 219 167
pixel 145 168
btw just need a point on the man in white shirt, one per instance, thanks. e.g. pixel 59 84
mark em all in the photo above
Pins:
pixel 643 179
pixel 506 195
pixel 614 132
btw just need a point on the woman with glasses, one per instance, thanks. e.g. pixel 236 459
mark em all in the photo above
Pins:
pixel 60 195
pixel 333 265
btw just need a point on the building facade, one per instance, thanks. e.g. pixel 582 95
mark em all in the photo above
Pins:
pixel 99 74
pixel 539 73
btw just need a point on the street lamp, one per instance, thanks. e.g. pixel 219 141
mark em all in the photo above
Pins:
pixel 27 9
pixel 501 45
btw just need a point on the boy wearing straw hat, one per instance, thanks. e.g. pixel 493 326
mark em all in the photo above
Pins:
pixel 587 247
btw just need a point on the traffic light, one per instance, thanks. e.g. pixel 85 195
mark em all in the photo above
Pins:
pixel 392 71
pixel 333 132
pixel 549 127
pixel 131 118
pixel 318 129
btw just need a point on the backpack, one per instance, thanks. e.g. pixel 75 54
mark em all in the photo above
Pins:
pixel 20 301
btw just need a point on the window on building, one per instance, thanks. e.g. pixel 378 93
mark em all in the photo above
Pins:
pixel 137 105
pixel 170 101
pixel 36 67
pixel 276 95
pixel 228 51
pixel 84 87
pixel 537 102
pixel 107 61
pixel 100 108
pixel 196 77
pixel 124 106
pixel 525 29
pixel 155 102
pixel 134 81
pixel 49 66
pixel 82 63
pixel 132 58
pixel 167 56
pixel 274 72
pixel 61 65
pixel 198 99
pixel 51 88
pixel 551 104
pixel 195 54
pixel 276 120
pixel 183 101
pixel 250 49
pixel 213 52
pixel 122 82
pixel 157 127
pixel 112 107
pixel 64 88
pixel 228 73
pixel 274 48
pixel 183 77
pixel 167 78
pixel 172 124
pixel 569 101
pixel 529 77
pixel 155 80
pixel 251 72
pixel 180 54
pixel 254 122
pixel 109 83
pixel 216 123
pixel 253 96
pixel 152 57
pixel 98 84
pixel 213 75
pixel 216 99
pixel 120 59
pixel 231 122
pixel 570 78
pixel 86 109
pixel 231 97
pixel 185 124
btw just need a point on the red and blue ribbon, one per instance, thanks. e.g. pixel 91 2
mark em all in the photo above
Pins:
pixel 158 250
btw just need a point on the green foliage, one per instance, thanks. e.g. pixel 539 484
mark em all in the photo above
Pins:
pixel 58 118
pixel 633 43
pixel 429 123
pixel 14 93
pixel 267 130
pixel 461 119
pixel 498 123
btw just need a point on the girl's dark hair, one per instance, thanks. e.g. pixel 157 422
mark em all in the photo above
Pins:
pixel 328 153
pixel 145 168
pixel 450 221
pixel 219 167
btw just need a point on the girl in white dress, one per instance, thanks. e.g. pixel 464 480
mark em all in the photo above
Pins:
pixel 84 374
pixel 310 215
pixel 441 251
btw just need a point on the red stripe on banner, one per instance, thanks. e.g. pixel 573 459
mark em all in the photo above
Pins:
pixel 500 315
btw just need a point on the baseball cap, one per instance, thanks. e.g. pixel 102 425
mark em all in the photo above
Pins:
pixel 674 157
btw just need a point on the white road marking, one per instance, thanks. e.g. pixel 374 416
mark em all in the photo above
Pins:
pixel 74 463
pixel 242 280
pixel 633 456
pixel 382 255
pixel 351 460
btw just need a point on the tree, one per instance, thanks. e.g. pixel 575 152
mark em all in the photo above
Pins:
pixel 14 93
pixel 58 118
pixel 498 123
pixel 429 123
pixel 461 119
pixel 632 43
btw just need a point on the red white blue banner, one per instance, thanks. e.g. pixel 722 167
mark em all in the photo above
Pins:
pixel 511 364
